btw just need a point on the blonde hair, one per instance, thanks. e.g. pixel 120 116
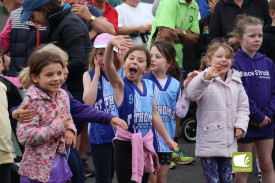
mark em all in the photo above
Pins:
pixel 24 75
pixel 52 48
pixel 36 62
pixel 241 22
pixel 92 61
pixel 212 48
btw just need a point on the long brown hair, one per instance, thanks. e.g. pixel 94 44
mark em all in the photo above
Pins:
pixel 140 48
pixel 51 7
pixel 168 51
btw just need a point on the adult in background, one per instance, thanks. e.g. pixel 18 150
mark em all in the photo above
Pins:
pixel 93 18
pixel 225 12
pixel 177 21
pixel 134 20
pixel 6 7
pixel 108 12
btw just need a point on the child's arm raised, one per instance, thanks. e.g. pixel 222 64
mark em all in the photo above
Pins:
pixel 159 126
pixel 90 86
pixel 121 42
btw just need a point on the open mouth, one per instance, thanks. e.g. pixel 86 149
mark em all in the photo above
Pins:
pixel 133 70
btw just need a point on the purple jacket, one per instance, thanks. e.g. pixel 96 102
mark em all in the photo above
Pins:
pixel 82 112
pixel 258 77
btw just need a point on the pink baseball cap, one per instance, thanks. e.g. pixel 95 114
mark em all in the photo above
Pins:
pixel 102 39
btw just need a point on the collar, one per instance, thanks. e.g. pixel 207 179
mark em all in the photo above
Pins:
pixel 35 92
pixel 192 4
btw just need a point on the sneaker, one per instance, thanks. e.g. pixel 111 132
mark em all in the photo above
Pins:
pixel 179 158
pixel 88 172
pixel 173 165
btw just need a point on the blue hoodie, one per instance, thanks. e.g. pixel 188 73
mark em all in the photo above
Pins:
pixel 258 77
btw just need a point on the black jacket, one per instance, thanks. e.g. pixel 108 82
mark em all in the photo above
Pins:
pixel 68 32
pixel 226 11
pixel 268 46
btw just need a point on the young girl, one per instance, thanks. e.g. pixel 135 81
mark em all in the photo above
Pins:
pixel 133 149
pixel 102 98
pixel 257 73
pixel 166 94
pixel 44 157
pixel 222 113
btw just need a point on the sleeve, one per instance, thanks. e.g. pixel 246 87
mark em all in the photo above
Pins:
pixel 255 113
pixel 182 105
pixel 215 24
pixel 121 20
pixel 33 134
pixel 196 87
pixel 83 112
pixel 168 17
pixel 242 116
pixel 195 27
pixel 270 108
pixel 5 36
pixel 73 37
pixel 13 121
pixel 94 11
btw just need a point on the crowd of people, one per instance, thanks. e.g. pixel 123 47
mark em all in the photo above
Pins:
pixel 116 78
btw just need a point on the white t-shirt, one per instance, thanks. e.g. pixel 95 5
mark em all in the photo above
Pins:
pixel 129 16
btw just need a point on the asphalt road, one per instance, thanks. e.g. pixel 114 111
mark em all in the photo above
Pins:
pixel 185 173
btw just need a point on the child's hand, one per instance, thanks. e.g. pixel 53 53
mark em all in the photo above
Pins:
pixel 23 115
pixel 171 144
pixel 213 72
pixel 265 122
pixel 145 28
pixel 122 42
pixel 69 139
pixel 117 121
pixel 64 120
pixel 97 68
pixel 238 133
pixel 188 79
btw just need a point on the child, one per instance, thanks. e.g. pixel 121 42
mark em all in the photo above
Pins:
pixel 222 113
pixel 80 113
pixel 166 95
pixel 44 157
pixel 102 98
pixel 257 73
pixel 134 154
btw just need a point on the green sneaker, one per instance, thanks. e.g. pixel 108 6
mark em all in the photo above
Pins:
pixel 173 165
pixel 179 158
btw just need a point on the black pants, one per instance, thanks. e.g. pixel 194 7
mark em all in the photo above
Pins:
pixel 5 173
pixel 123 162
pixel 76 166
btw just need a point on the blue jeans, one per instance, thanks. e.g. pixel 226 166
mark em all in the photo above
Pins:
pixel 103 158
pixel 217 169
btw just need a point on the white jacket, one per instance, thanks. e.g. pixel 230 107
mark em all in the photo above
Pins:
pixel 222 107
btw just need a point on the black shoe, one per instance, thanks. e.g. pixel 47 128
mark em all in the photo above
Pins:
pixel 88 172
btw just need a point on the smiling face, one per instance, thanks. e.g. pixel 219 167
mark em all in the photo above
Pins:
pixel 50 79
pixel 252 39
pixel 135 66
pixel 221 57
